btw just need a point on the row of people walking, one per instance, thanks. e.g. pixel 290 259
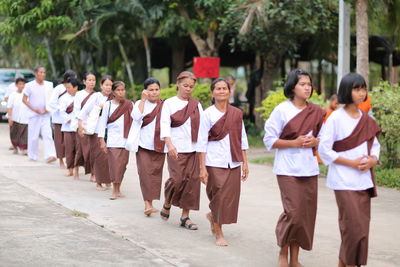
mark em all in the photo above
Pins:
pixel 97 131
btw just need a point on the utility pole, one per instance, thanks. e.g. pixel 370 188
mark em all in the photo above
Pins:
pixel 344 41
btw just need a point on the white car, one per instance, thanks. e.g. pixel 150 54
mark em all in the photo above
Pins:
pixel 7 77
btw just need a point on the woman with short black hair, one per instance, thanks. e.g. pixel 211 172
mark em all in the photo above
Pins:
pixel 350 147
pixel 115 122
pixel 144 139
pixel 292 129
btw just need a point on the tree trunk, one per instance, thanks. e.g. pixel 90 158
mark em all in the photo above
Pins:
pixel 51 59
pixel 148 55
pixel 178 60
pixel 270 71
pixel 67 61
pixel 362 39
pixel 126 61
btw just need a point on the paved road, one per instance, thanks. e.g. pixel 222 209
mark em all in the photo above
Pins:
pixel 31 192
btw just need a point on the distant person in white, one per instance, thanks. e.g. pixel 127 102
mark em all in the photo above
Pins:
pixel 36 96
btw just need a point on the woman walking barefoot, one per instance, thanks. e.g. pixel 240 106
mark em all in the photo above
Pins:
pixel 81 98
pixel 98 158
pixel 350 147
pixel 116 120
pixel 222 145
pixel 292 129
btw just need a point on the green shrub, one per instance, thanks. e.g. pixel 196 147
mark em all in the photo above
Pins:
pixel 134 92
pixel 385 100
pixel 276 97
pixel 388 177
pixel 201 92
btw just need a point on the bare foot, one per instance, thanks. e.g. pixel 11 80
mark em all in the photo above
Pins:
pixel 297 264
pixel 221 242
pixel 50 160
pixel 113 197
pixel 62 164
pixel 120 195
pixel 15 151
pixel 283 262
pixel 68 174
pixel 76 176
pixel 100 188
pixel 24 153
pixel 93 178
pixel 209 217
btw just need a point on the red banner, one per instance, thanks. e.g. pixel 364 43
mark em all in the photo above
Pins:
pixel 206 67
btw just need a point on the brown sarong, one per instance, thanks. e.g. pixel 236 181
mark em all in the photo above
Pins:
pixel 79 160
pixel 150 166
pixel 59 141
pixel 117 160
pixel 71 147
pixel 182 189
pixel 84 152
pixel 297 222
pixel 19 135
pixel 99 161
pixel 354 217
pixel 223 191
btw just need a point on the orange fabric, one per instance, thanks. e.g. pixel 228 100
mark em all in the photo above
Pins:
pixel 366 105
pixel 328 113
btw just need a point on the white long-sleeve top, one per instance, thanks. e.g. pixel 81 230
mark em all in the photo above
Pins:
pixel 288 161
pixel 67 120
pixel 115 130
pixel 79 96
pixel 54 103
pixel 19 110
pixel 97 99
pixel 181 136
pixel 146 136
pixel 339 126
pixel 218 153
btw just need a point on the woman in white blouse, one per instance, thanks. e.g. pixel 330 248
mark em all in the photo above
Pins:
pixel 180 121
pixel 68 126
pixel 150 151
pixel 350 147
pixel 115 122
pixel 82 97
pixel 89 116
pixel 222 134
pixel 295 164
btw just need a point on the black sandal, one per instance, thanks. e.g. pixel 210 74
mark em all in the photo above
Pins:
pixel 191 226
pixel 164 215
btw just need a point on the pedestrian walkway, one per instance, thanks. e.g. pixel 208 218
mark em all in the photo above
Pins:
pixel 251 242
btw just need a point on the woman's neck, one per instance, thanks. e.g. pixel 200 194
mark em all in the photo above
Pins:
pixel 221 105
pixel 352 110
pixel 104 94
pixel 181 97
pixel 299 103
pixel 89 90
